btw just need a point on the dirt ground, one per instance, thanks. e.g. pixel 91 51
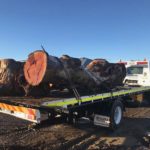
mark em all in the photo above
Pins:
pixel 17 134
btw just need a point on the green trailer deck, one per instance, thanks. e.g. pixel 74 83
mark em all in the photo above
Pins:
pixel 65 100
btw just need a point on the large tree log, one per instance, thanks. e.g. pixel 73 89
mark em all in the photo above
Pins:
pixel 83 73
pixel 13 83
pixel 43 68
pixel 40 68
pixel 106 74
pixel 9 71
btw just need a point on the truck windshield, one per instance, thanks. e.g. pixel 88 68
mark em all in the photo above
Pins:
pixel 135 70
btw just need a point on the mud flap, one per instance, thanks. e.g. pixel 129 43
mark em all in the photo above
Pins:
pixel 100 120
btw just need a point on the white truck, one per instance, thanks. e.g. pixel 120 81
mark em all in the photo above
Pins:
pixel 138 73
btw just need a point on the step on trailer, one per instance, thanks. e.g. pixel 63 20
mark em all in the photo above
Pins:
pixel 105 109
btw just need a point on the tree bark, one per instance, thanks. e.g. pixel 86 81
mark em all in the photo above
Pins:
pixel 9 72
pixel 107 75
pixel 13 83
pixel 41 68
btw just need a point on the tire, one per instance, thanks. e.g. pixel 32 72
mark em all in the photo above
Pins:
pixel 116 114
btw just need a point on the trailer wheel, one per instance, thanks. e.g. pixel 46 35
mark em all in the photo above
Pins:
pixel 116 114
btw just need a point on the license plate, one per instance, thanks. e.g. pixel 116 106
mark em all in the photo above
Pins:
pixel 100 120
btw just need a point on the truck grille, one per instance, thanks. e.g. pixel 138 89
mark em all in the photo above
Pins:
pixel 132 81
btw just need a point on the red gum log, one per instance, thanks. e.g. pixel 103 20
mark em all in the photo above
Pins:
pixel 35 67
pixel 39 67
pixel 112 74
pixel 9 73
pixel 43 68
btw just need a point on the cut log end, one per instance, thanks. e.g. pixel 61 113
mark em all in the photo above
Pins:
pixel 35 67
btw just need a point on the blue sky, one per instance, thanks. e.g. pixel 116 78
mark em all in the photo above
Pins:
pixel 111 29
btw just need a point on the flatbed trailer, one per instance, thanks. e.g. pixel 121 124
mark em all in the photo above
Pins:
pixel 105 109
